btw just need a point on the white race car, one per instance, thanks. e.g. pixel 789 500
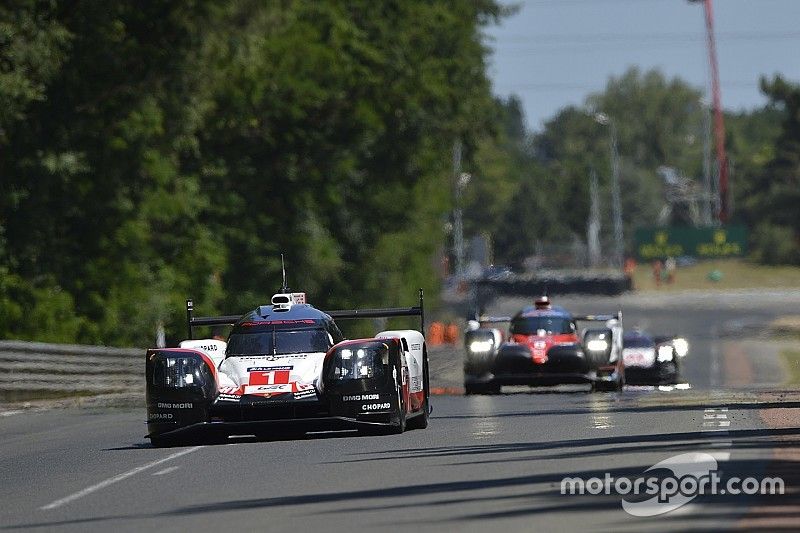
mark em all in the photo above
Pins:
pixel 286 367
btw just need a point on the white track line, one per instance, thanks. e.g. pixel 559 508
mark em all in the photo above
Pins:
pixel 716 417
pixel 115 479
pixel 166 470
pixel 10 413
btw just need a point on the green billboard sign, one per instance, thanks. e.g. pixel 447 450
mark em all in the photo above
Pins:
pixel 702 243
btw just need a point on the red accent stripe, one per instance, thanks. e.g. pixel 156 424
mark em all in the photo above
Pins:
pixel 417 400
pixel 206 359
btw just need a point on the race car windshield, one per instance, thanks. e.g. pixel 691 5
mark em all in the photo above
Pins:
pixel 638 342
pixel 278 341
pixel 549 324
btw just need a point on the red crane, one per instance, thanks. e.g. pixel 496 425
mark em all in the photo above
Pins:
pixel 719 121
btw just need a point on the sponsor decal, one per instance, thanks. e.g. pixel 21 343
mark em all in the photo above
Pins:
pixel 160 416
pixel 300 395
pixel 225 397
pixel 277 357
pixel 268 368
pixel 270 377
pixel 268 389
pixel 416 346
pixel 209 348
pixel 361 397
pixel 375 406
pixel 187 405
pixel 278 322
pixel 229 390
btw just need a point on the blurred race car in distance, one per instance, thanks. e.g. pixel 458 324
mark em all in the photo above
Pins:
pixel 653 360
pixel 286 368
pixel 544 347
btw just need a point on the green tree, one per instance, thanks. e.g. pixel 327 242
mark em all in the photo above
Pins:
pixel 178 147
pixel 542 179
pixel 774 192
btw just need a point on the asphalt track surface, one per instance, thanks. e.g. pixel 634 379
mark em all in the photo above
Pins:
pixel 485 462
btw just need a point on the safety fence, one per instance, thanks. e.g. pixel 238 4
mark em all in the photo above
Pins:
pixel 37 369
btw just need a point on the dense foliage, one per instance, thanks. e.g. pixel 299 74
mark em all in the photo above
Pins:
pixel 152 151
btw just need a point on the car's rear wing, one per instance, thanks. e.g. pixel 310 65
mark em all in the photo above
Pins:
pixel 598 318
pixel 342 314
pixel 493 319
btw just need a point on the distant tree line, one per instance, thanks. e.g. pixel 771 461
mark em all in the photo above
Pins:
pixel 531 187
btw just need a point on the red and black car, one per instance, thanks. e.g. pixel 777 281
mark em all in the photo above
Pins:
pixel 544 346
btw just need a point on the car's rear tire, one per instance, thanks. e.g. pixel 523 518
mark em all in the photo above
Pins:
pixel 609 386
pixel 420 421
pixel 481 388
pixel 400 423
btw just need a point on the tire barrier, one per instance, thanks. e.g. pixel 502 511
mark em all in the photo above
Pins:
pixel 439 334
pixel 435 334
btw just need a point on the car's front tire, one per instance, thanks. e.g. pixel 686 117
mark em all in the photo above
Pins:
pixel 166 442
pixel 481 388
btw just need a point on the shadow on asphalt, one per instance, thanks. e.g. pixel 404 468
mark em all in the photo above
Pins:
pixel 758 438
pixel 251 439
pixel 533 500
pixel 616 408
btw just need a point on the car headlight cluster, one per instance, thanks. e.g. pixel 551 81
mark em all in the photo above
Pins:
pixel 180 372
pixel 597 345
pixel 681 346
pixel 664 354
pixel 481 346
pixel 360 362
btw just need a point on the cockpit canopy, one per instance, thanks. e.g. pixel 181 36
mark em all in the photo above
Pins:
pixel 274 341
pixel 535 325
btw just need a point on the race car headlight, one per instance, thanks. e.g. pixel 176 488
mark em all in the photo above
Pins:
pixel 664 354
pixel 681 346
pixel 482 346
pixel 180 372
pixel 597 345
pixel 357 362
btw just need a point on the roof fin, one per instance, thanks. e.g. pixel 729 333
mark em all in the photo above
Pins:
pixel 284 287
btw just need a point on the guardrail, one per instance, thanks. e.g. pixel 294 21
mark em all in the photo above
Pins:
pixel 35 369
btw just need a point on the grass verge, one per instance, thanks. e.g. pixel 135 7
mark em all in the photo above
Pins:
pixel 736 274
pixel 792 359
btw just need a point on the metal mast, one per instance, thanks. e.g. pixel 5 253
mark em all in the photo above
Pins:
pixel 719 121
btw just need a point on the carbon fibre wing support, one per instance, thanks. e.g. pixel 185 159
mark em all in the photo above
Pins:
pixel 344 314
pixel 194 321
pixel 390 312
pixel 598 318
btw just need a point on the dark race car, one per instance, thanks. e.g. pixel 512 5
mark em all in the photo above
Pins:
pixel 544 347
pixel 286 368
pixel 652 360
